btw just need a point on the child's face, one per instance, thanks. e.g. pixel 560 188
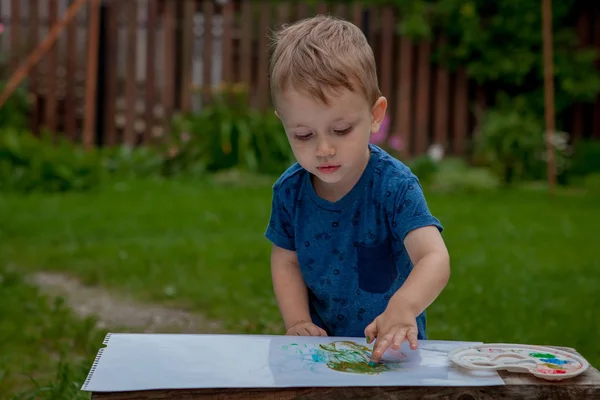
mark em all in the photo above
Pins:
pixel 331 142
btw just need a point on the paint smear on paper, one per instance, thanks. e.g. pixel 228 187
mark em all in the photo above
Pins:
pixel 345 356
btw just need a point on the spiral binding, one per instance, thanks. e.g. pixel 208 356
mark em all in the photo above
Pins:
pixel 106 339
pixel 93 369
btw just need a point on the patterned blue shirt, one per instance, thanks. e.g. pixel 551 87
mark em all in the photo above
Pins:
pixel 351 252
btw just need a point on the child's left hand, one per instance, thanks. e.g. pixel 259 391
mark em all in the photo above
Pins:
pixel 392 327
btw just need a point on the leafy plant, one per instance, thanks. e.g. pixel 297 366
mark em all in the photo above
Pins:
pixel 586 158
pixel 128 162
pixel 13 113
pixel 500 43
pixel 227 134
pixel 28 163
pixel 455 174
pixel 512 142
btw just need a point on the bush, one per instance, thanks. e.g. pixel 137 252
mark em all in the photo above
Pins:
pixel 13 113
pixel 586 158
pixel 28 163
pixel 512 143
pixel 456 175
pixel 227 134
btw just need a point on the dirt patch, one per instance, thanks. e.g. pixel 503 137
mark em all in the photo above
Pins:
pixel 117 312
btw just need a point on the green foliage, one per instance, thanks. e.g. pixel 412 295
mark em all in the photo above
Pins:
pixel 227 134
pixel 512 142
pixel 28 163
pixel 456 175
pixel 500 44
pixel 424 167
pixel 45 351
pixel 46 164
pixel 14 112
pixel 452 174
pixel 586 158
pixel 129 162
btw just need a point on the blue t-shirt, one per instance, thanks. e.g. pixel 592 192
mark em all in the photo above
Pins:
pixel 351 251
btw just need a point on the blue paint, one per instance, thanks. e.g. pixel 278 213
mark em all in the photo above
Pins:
pixel 555 361
pixel 319 356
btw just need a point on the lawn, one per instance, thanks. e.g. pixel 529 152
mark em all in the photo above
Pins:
pixel 525 266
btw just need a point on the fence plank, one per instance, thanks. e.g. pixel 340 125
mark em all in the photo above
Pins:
pixel 461 111
pixel 189 8
pixel 341 10
pixel 110 64
pixel 387 50
pixel 150 69
pixel 228 27
pixel 283 14
pixel 71 82
pixel 207 53
pixel 357 14
pixel 245 63
pixel 15 33
pixel 303 10
pixel 583 33
pixel 50 75
pixel 168 94
pixel 441 125
pixel 263 55
pixel 321 7
pixel 131 74
pixel 422 116
pixel 596 107
pixel 34 38
pixel 91 75
pixel 404 94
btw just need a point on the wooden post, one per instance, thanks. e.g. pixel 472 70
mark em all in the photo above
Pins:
pixel 549 92
pixel 91 75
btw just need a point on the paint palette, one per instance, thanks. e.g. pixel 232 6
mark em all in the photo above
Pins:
pixel 543 362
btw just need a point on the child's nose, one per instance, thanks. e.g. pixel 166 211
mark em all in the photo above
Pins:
pixel 325 149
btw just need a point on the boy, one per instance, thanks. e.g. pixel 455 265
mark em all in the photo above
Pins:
pixel 355 249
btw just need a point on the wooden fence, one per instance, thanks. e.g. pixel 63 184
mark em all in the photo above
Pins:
pixel 159 56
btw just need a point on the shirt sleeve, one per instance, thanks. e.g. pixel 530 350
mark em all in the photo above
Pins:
pixel 410 210
pixel 280 230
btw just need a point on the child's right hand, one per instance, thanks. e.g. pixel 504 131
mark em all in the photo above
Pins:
pixel 305 328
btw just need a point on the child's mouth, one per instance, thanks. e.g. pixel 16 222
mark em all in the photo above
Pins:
pixel 328 169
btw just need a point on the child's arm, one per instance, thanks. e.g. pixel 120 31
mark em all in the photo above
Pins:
pixel 428 278
pixel 291 293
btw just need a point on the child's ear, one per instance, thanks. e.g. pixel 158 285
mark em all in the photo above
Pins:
pixel 378 114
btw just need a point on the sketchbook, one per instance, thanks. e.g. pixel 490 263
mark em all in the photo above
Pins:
pixel 132 362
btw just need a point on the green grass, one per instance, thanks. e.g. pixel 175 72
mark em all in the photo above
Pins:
pixel 45 352
pixel 525 266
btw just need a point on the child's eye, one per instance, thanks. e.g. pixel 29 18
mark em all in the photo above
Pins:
pixel 303 137
pixel 343 131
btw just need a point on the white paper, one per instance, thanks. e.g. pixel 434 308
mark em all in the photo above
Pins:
pixel 184 361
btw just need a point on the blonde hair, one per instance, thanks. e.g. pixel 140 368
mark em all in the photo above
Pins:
pixel 320 53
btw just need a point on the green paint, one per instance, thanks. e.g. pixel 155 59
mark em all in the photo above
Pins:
pixel 368 339
pixel 542 355
pixel 347 356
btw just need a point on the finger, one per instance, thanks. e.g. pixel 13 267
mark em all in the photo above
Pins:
pixel 323 332
pixel 371 331
pixel 314 330
pixel 412 338
pixel 399 338
pixel 306 331
pixel 381 345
